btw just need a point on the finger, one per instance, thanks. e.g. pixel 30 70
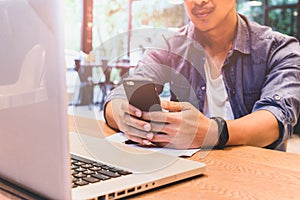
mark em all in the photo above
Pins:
pixel 162 117
pixel 161 138
pixel 130 109
pixel 131 130
pixel 148 129
pixel 163 128
pixel 161 144
pixel 135 111
pixel 171 106
pixel 138 139
pixel 137 123
pixel 163 103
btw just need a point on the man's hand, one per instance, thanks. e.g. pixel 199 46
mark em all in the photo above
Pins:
pixel 183 126
pixel 127 119
pixel 180 126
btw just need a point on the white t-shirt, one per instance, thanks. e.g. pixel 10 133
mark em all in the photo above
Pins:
pixel 216 102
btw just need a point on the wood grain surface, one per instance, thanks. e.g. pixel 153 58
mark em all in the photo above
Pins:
pixel 240 172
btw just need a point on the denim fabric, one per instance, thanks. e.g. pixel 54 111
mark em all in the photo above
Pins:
pixel 261 72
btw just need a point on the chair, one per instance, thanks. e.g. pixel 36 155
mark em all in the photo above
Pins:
pixel 86 93
pixel 99 80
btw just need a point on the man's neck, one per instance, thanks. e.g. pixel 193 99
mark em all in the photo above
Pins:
pixel 220 39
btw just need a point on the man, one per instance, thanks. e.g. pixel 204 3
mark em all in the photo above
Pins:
pixel 251 80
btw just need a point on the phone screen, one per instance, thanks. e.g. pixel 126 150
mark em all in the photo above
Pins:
pixel 142 94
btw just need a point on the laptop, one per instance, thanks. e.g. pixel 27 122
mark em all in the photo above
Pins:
pixel 35 146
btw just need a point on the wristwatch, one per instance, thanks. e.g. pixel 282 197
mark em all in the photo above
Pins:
pixel 223 132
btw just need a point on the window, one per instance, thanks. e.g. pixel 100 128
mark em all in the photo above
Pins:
pixel 112 22
pixel 281 15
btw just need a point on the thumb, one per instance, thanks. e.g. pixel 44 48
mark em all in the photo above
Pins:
pixel 171 106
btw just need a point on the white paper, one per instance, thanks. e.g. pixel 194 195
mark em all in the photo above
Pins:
pixel 120 138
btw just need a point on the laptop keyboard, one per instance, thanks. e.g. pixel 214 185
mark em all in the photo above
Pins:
pixel 85 171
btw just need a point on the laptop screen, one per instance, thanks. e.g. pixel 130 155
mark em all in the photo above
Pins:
pixel 33 133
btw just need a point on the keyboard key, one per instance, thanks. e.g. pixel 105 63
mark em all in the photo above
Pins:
pixel 87 166
pixel 98 164
pixel 74 167
pixel 91 179
pixel 101 177
pixel 108 173
pixel 84 160
pixel 78 163
pixel 123 172
pixel 81 183
pixel 80 175
pixel 89 172
pixel 80 169
pixel 95 168
pixel 105 167
pixel 113 169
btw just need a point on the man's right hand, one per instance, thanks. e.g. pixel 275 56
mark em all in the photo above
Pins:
pixel 126 118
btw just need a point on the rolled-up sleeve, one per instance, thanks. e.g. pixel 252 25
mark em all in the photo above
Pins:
pixel 281 91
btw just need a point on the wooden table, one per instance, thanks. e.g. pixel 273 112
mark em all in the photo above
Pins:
pixel 241 172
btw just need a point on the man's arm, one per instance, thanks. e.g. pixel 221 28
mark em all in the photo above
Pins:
pixel 109 116
pixel 186 127
pixel 259 128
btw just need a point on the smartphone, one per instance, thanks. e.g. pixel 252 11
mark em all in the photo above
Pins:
pixel 142 93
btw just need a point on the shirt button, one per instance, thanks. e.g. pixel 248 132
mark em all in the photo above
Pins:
pixel 203 88
pixel 277 97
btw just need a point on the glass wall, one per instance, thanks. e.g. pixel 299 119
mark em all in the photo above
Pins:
pixel 254 10
pixel 73 16
pixel 111 20
pixel 281 15
pixel 111 17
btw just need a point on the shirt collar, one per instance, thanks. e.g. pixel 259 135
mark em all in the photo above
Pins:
pixel 242 39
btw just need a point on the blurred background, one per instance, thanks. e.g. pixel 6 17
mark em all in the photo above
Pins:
pixel 103 18
pixel 91 23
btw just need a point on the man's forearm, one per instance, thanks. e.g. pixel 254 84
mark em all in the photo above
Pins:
pixel 256 129
pixel 109 116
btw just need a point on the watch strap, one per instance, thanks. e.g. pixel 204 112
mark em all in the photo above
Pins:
pixel 222 131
